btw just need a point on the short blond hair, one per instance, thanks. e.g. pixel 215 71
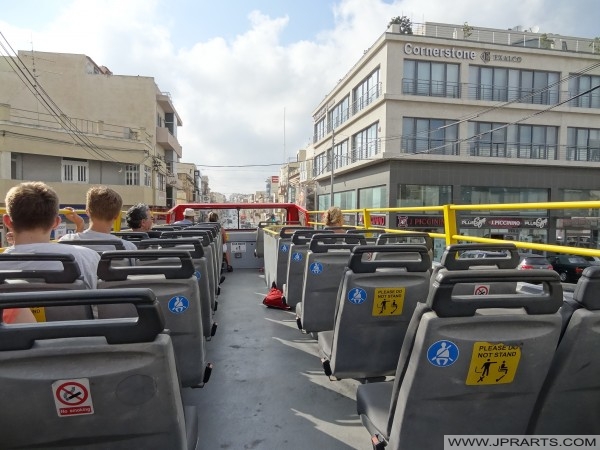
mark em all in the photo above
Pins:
pixel 32 205
pixel 103 203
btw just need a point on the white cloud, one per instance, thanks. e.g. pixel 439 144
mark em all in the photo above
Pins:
pixel 231 93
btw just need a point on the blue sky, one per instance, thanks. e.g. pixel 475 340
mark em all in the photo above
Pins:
pixel 234 66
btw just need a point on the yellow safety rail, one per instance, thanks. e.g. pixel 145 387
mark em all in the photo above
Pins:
pixel 451 235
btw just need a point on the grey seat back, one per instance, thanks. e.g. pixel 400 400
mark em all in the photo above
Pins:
pixel 376 301
pixel 210 248
pixel 215 230
pixel 568 403
pixel 260 239
pixel 44 277
pixel 97 384
pixel 195 248
pixel 99 245
pixel 326 261
pixel 478 356
pixel 296 262
pixel 176 289
pixel 283 252
pixel 132 236
pixel 451 260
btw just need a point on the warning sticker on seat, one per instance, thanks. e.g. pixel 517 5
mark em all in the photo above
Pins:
pixel 388 301
pixel 72 397
pixel 493 363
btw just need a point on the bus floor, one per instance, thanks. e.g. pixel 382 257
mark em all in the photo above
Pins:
pixel 267 389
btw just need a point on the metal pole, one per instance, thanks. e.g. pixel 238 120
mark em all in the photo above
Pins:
pixel 332 163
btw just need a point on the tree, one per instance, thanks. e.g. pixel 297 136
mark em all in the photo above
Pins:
pixel 546 42
pixel 404 22
pixel 467 30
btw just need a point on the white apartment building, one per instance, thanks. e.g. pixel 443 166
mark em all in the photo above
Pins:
pixel 70 123
pixel 465 115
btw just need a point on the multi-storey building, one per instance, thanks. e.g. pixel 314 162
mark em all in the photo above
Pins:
pixel 465 115
pixel 68 122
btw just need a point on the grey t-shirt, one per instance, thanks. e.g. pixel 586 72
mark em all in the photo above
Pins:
pixel 93 235
pixel 86 258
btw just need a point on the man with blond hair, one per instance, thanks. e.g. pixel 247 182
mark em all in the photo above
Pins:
pixel 103 206
pixel 31 215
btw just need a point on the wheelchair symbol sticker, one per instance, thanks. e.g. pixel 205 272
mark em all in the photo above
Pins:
pixel 284 248
pixel 197 274
pixel 442 353
pixel 297 257
pixel 316 268
pixel 178 304
pixel 357 296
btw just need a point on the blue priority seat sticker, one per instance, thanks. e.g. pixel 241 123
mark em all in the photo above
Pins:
pixel 178 304
pixel 296 257
pixel 316 268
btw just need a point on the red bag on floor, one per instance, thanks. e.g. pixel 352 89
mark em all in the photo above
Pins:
pixel 275 299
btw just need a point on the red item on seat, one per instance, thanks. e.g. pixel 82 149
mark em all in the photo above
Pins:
pixel 275 299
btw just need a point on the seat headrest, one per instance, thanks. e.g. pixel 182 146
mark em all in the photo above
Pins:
pixel 587 291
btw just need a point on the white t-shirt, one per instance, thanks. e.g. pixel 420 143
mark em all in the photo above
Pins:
pixel 87 260
pixel 91 235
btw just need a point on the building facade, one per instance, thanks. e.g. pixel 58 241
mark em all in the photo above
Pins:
pixel 465 115
pixel 70 123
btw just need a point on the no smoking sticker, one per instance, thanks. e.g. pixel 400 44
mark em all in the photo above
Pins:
pixel 72 397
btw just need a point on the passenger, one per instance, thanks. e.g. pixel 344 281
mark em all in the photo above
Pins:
pixel 139 218
pixel 188 217
pixel 333 217
pixel 103 206
pixel 31 215
pixel 214 217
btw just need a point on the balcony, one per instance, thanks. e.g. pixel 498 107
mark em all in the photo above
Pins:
pixel 166 140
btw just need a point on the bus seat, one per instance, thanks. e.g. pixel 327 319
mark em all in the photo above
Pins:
pixel 412 237
pixel 371 235
pixel 195 248
pixel 368 332
pixel 483 358
pixel 54 272
pixel 99 384
pixel 276 248
pixel 259 252
pixel 132 236
pixel 176 289
pixel 99 245
pixel 326 260
pixel 210 251
pixel 295 269
pixel 568 403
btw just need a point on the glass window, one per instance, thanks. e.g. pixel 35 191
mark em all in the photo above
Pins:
pixel 583 144
pixel 366 92
pixel 423 195
pixel 579 85
pixel 147 176
pixel 580 195
pixel 431 79
pixel 365 143
pixel 345 199
pixel 375 197
pixel 132 175
pixel 74 171
pixel 436 136
pixel 472 195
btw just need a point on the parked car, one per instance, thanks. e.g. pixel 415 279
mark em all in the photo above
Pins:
pixel 472 254
pixel 569 267
pixel 533 261
pixel 593 260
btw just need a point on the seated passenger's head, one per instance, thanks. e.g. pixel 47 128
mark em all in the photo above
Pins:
pixel 333 217
pixel 103 203
pixel 31 206
pixel 139 217
pixel 213 217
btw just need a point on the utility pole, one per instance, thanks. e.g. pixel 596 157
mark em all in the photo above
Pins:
pixel 332 163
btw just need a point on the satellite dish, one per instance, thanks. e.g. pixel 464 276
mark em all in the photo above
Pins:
pixel 535 29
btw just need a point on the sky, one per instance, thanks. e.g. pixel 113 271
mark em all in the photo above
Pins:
pixel 246 75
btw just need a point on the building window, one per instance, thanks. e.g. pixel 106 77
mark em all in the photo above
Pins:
pixel 489 139
pixel 320 128
pixel 423 195
pixel 74 171
pixel 580 195
pixel 132 175
pixel 320 165
pixel 340 113
pixel 431 79
pixel 524 86
pixel 161 182
pixel 473 195
pixel 537 142
pixel 341 154
pixel 366 92
pixel 365 143
pixel 579 85
pixel 583 144
pixel 375 197
pixel 345 200
pixel 436 136
pixel 16 166
pixel 147 176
